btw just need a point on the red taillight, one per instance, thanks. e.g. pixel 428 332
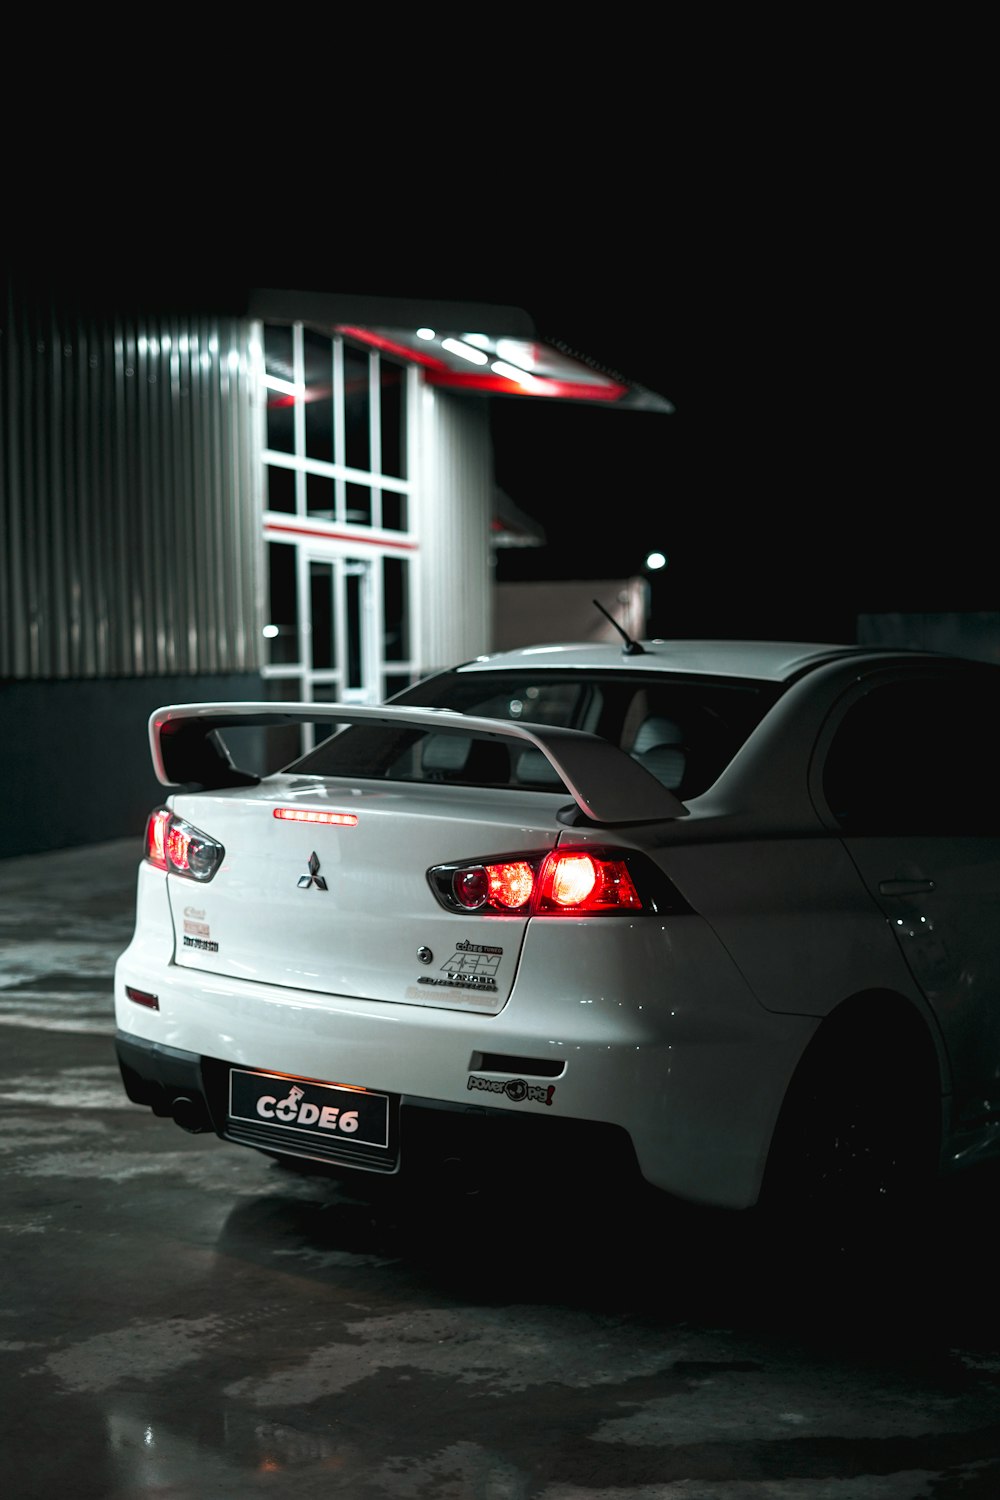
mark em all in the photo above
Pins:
pixel 581 883
pixel 506 887
pixel 562 883
pixel 179 848
pixel 471 887
pixel 156 837
pixel 511 885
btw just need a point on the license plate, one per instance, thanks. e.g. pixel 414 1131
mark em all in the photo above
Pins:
pixel 302 1110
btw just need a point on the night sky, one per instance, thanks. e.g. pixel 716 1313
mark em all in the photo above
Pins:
pixel 827 455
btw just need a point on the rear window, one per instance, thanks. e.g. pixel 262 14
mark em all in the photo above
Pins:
pixel 684 731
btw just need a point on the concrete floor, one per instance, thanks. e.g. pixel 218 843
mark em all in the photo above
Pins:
pixel 184 1320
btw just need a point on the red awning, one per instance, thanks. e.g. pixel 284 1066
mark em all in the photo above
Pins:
pixel 473 348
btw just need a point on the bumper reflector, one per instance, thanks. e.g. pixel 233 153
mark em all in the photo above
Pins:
pixel 141 997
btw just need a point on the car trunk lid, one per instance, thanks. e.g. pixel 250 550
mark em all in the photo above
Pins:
pixel 347 909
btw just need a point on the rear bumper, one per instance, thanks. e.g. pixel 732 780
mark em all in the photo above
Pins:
pixel 642 1033
pixel 166 1080
pixel 429 1136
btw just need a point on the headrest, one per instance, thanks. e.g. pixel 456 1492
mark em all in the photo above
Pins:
pixel 656 731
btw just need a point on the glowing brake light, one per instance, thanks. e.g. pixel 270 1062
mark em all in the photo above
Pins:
pixel 572 879
pixel 581 883
pixel 564 882
pixel 179 848
pixel 507 887
pixel 309 815
pixel 156 837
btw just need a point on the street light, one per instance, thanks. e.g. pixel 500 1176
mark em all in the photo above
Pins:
pixel 655 563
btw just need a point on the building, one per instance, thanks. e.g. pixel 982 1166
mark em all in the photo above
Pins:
pixel 291 499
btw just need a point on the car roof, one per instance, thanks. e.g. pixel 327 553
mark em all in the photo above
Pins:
pixel 774 661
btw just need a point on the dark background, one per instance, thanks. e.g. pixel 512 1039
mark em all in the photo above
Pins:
pixel 827 456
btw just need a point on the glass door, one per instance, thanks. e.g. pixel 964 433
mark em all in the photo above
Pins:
pixel 340 640
pixel 323 639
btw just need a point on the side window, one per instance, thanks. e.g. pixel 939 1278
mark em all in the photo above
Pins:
pixel 919 758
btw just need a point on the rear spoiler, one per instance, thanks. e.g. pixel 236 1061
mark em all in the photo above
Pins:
pixel 607 785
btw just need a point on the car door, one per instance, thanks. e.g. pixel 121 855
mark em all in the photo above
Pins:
pixel 910 777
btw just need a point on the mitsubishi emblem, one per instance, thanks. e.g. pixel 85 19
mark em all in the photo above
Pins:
pixel 314 877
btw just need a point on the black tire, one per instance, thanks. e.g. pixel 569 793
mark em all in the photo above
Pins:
pixel 853 1162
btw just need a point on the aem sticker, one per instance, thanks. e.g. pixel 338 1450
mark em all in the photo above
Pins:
pixel 472 966
pixel 514 1088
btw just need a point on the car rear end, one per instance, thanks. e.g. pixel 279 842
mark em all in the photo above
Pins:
pixel 379 972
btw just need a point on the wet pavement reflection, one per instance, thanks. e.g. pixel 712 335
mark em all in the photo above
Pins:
pixel 183 1318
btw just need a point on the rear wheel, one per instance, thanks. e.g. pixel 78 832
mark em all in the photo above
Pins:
pixel 852 1165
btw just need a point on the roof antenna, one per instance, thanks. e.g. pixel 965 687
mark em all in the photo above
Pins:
pixel 631 647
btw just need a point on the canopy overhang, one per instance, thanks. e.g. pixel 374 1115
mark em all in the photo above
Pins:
pixel 472 348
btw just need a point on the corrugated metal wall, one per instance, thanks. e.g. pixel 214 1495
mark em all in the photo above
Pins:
pixel 129 493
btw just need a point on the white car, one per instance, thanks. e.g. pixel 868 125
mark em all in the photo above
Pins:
pixel 721 916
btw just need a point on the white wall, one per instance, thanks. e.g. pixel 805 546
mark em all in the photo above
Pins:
pixel 532 614
pixel 454 609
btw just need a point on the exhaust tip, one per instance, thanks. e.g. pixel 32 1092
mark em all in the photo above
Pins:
pixel 459 1177
pixel 189 1114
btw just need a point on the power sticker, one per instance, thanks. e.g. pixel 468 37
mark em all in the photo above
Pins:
pixel 515 1089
